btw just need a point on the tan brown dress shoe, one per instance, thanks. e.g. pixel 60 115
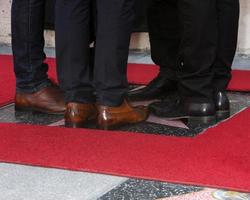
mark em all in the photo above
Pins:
pixel 48 100
pixel 78 114
pixel 111 117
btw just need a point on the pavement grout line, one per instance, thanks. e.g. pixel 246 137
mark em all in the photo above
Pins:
pixel 6 106
pixel 58 123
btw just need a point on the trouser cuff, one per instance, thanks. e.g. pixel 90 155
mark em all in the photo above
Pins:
pixel 111 98
pixel 80 96
pixel 168 73
pixel 33 87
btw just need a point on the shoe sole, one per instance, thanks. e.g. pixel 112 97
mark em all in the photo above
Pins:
pixel 74 125
pixel 204 120
pixel 36 111
pixel 222 115
pixel 118 126
pixel 163 115
pixel 80 124
pixel 192 120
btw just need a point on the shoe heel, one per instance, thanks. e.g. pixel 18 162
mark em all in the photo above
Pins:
pixel 83 124
pixel 106 125
pixel 74 125
pixel 205 120
pixel 222 115
pixel 33 111
pixel 22 109
pixel 103 127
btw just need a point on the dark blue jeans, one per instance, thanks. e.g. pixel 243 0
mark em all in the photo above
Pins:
pixel 27 43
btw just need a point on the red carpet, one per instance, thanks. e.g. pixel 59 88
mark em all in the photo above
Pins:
pixel 137 74
pixel 217 158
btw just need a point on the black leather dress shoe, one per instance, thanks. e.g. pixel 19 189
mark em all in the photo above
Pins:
pixel 168 108
pixel 195 113
pixel 222 105
pixel 157 88
pixel 200 113
pixel 48 100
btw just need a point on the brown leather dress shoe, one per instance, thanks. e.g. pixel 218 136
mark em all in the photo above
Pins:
pixel 111 117
pixel 78 114
pixel 48 100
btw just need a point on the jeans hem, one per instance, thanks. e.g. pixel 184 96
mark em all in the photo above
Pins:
pixel 33 89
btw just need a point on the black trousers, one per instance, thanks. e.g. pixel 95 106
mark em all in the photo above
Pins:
pixel 184 43
pixel 114 26
pixel 27 19
pixel 228 22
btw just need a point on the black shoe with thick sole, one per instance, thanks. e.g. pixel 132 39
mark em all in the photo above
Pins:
pixel 222 105
pixel 200 113
pixel 195 113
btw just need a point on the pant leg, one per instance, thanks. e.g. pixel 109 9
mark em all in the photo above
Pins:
pixel 72 50
pixel 227 20
pixel 114 27
pixel 27 19
pixel 164 33
pixel 93 15
pixel 197 49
